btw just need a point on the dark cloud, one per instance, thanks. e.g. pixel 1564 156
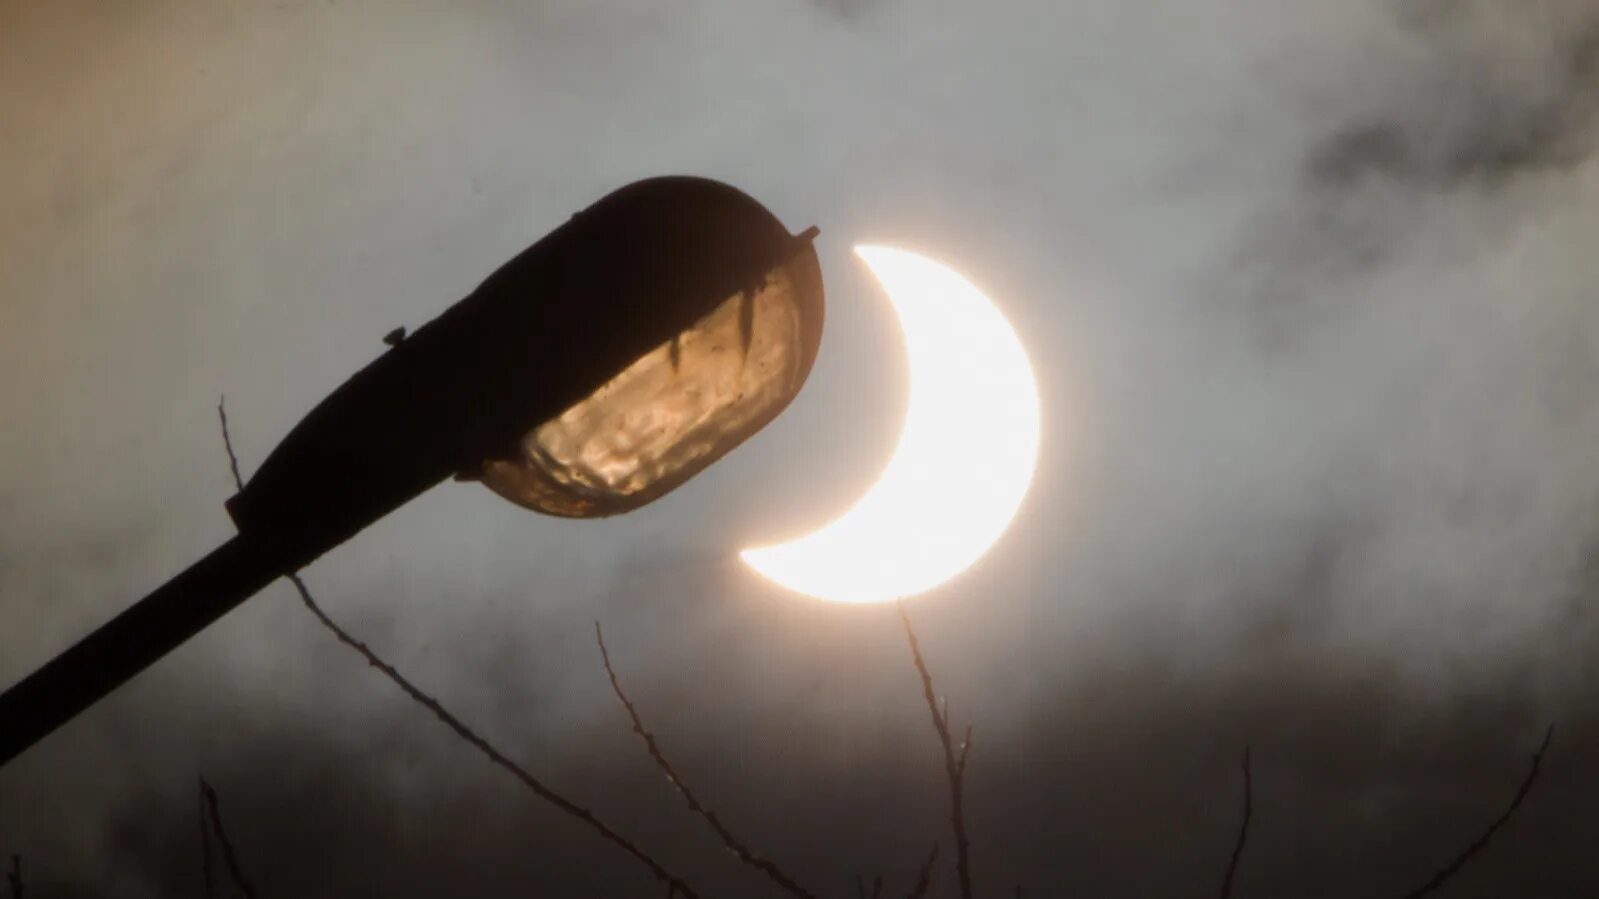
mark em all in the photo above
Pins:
pixel 1475 127
pixel 1465 114
pixel 1124 785
pixel 846 8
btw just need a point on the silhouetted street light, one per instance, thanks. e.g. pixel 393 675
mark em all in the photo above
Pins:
pixel 598 370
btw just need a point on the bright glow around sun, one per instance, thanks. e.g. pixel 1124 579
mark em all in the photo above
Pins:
pixel 964 460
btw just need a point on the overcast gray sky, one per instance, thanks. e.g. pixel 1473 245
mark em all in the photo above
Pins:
pixel 1305 284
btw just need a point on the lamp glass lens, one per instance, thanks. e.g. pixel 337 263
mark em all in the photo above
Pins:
pixel 672 412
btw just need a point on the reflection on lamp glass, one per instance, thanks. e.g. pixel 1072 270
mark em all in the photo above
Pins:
pixel 675 410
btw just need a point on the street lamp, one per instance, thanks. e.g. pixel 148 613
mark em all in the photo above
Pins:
pixel 595 372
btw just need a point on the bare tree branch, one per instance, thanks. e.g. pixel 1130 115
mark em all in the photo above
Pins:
pixel 228 855
pixel 205 845
pixel 924 877
pixel 484 746
pixel 14 877
pixel 954 768
pixel 736 846
pixel 1449 870
pixel 966 747
pixel 860 886
pixel 675 884
pixel 1243 831
pixel 227 442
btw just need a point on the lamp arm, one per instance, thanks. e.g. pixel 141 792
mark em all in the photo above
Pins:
pixel 127 644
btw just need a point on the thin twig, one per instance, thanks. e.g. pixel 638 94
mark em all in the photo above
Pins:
pixel 744 853
pixel 860 886
pixel 227 442
pixel 228 855
pixel 205 845
pixel 1481 842
pixel 1243 831
pixel 924 877
pixel 14 877
pixel 675 884
pixel 954 768
pixel 966 748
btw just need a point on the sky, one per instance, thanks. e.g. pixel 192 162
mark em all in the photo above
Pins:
pixel 1304 284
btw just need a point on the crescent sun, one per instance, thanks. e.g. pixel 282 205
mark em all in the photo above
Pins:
pixel 964 460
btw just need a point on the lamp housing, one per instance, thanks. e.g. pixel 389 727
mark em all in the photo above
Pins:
pixel 596 371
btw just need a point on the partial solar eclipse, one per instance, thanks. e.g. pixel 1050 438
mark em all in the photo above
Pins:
pixel 964 460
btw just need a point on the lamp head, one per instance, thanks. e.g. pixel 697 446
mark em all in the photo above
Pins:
pixel 595 372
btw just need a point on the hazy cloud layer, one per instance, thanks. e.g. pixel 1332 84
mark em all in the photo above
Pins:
pixel 1306 285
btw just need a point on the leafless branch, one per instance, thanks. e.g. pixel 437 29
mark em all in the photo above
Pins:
pixel 965 747
pixel 1243 831
pixel 736 846
pixel 205 845
pixel 675 884
pixel 227 442
pixel 1449 870
pixel 14 877
pixel 954 767
pixel 924 877
pixel 228 855
pixel 860 887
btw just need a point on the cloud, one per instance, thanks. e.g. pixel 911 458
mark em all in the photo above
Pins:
pixel 1487 121
pixel 1307 284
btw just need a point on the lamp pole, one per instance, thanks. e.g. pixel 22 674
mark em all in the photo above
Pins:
pixel 657 269
pixel 130 642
